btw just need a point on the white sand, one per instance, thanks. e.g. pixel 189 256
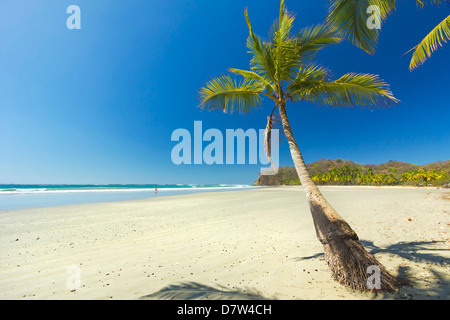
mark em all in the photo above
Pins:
pixel 226 245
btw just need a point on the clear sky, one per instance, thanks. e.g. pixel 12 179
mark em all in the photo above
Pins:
pixel 99 105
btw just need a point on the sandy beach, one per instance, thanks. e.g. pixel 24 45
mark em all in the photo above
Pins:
pixel 251 244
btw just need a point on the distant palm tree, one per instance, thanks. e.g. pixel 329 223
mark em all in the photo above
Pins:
pixel 282 70
pixel 349 19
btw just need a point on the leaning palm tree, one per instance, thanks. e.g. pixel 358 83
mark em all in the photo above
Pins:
pixel 349 19
pixel 282 70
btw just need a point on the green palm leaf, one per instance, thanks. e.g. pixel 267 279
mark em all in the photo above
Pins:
pixel 311 39
pixel 228 95
pixel 421 3
pixel 308 76
pixel 262 61
pixel 349 19
pixel 350 90
pixel 435 39
pixel 283 46
pixel 270 89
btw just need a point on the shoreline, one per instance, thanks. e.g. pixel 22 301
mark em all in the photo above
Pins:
pixel 18 200
pixel 206 190
pixel 247 244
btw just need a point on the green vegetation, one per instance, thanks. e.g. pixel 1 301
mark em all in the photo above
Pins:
pixel 349 19
pixel 340 172
pixel 353 176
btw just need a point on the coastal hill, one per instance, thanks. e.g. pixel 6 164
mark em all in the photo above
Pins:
pixel 347 172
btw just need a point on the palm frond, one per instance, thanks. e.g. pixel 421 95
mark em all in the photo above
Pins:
pixel 262 61
pixel 228 95
pixel 350 90
pixel 282 27
pixel 311 39
pixel 283 45
pixel 273 122
pixel 421 3
pixel 268 137
pixel 256 77
pixel 435 39
pixel 308 76
pixel 349 19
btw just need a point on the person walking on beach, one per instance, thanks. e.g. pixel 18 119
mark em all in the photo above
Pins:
pixel 156 191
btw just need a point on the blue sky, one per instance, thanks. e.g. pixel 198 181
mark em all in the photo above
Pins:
pixel 99 105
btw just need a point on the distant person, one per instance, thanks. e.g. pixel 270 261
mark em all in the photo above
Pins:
pixel 156 191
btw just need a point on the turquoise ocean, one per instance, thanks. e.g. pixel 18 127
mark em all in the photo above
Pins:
pixel 21 196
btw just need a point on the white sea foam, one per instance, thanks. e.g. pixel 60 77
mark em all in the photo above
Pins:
pixel 160 189
pixel 23 198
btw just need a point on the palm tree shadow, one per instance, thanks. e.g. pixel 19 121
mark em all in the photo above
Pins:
pixel 317 255
pixel 423 251
pixel 435 286
pixel 198 291
pixel 414 251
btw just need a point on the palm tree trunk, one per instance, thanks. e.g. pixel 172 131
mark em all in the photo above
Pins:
pixel 346 257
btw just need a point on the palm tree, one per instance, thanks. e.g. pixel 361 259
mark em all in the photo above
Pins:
pixel 407 176
pixel 349 19
pixel 421 175
pixel 282 70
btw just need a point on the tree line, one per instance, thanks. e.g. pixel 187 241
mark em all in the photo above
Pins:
pixel 347 175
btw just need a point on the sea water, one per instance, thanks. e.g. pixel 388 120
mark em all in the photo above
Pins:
pixel 14 197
